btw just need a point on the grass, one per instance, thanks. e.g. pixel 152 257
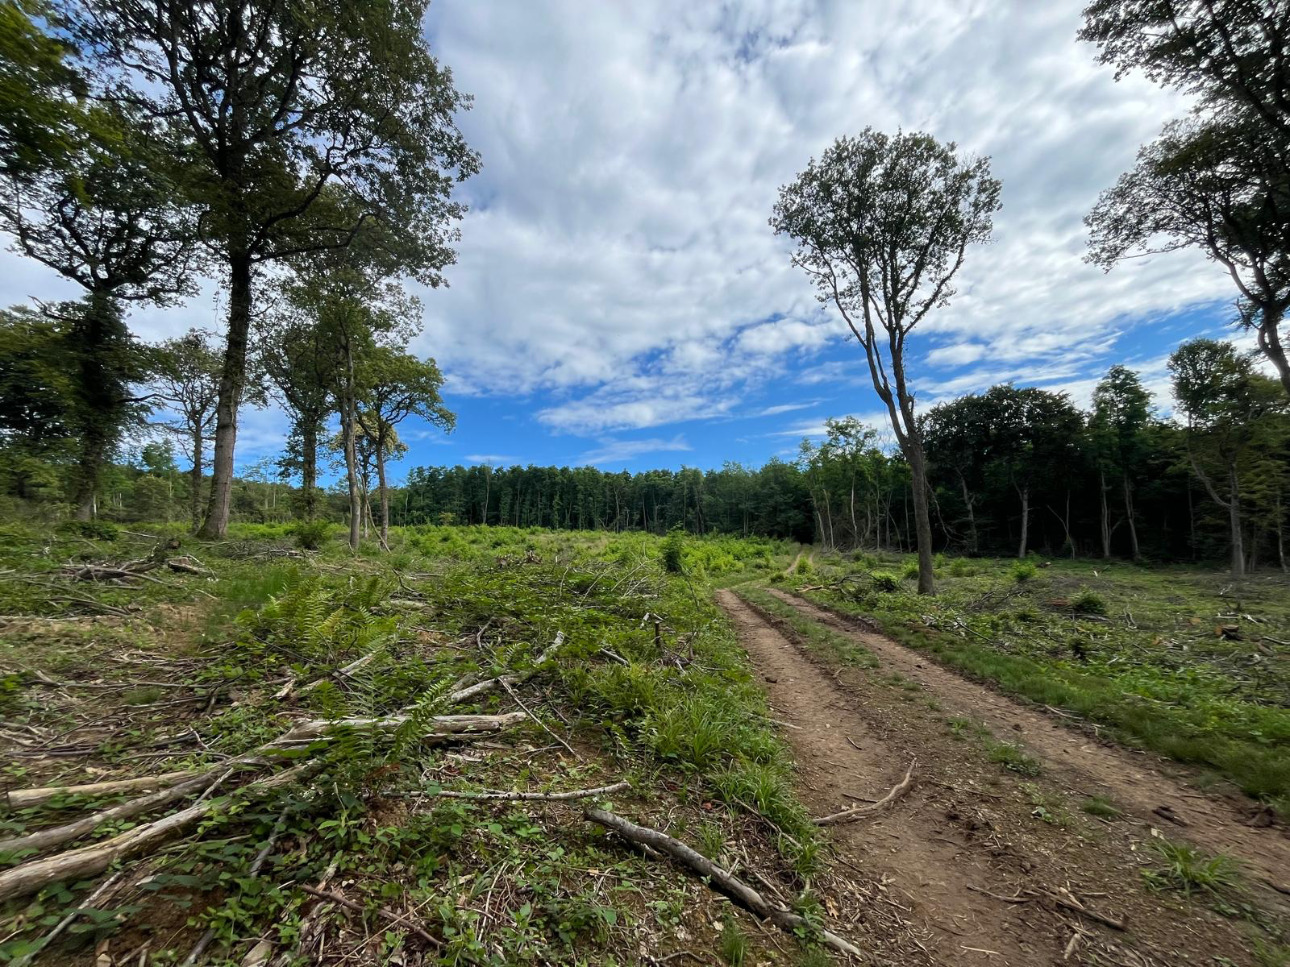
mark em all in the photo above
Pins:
pixel 1191 870
pixel 668 703
pixel 1101 807
pixel 1132 649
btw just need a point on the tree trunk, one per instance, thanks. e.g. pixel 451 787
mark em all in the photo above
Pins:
pixel 973 546
pixel 1234 518
pixel 195 498
pixel 1025 519
pixel 385 497
pixel 230 394
pixel 309 469
pixel 99 413
pixel 1106 516
pixel 1128 514
pixel 922 516
pixel 348 426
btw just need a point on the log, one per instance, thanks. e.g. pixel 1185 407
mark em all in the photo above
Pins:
pixel 442 727
pixel 525 796
pixel 857 812
pixel 718 878
pixel 45 838
pixel 91 860
pixel 18 798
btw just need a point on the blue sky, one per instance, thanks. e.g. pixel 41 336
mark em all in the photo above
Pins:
pixel 619 298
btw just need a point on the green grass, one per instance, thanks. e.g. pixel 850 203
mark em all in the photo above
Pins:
pixel 1101 807
pixel 1191 870
pixel 828 644
pixel 1130 648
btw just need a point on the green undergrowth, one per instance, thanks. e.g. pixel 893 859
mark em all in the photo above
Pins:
pixel 817 638
pixel 1147 653
pixel 650 685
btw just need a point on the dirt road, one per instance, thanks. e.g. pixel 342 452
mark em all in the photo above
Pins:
pixel 981 860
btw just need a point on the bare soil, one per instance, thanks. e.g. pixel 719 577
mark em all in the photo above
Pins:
pixel 983 864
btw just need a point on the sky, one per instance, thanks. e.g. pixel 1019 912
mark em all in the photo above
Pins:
pixel 619 298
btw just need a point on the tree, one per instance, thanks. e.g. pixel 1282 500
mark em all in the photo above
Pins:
pixel 1121 413
pixel 299 356
pixel 394 385
pixel 186 378
pixel 1230 52
pixel 108 222
pixel 883 225
pixel 301 124
pixel 1216 187
pixel 1226 405
pixel 41 116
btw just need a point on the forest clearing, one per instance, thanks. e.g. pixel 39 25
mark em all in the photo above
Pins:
pixel 334 728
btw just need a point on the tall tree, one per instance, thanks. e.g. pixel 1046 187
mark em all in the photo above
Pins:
pixel 1226 405
pixel 882 226
pixel 1118 427
pixel 186 378
pixel 395 385
pixel 301 124
pixel 299 356
pixel 108 221
pixel 41 116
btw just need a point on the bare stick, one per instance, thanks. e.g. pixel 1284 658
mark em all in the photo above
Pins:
pixel 19 798
pixel 501 681
pixel 528 796
pixel 381 911
pixel 542 725
pixel 93 859
pixel 856 812
pixel 62 924
pixel 1075 906
pixel 718 878
pixel 205 940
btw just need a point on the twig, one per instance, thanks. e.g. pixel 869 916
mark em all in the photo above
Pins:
pixel 718 878
pixel 542 725
pixel 381 911
pixel 62 924
pixel 996 896
pixel 856 812
pixel 528 796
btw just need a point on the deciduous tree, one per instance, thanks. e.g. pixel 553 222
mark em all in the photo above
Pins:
pixel 882 226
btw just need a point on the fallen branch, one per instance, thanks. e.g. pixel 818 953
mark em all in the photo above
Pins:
pixel 527 796
pixel 91 860
pixel 18 798
pixel 76 911
pixel 442 727
pixel 381 911
pixel 490 684
pixel 1076 907
pixel 857 812
pixel 343 672
pixel 718 878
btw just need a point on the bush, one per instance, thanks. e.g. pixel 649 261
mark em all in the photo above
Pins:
pixel 94 530
pixel 885 582
pixel 1023 571
pixel 911 570
pixel 1088 602
pixel 310 534
pixel 673 552
pixel 804 566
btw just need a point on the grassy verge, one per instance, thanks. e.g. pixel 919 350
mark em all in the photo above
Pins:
pixel 1175 660
pixel 651 686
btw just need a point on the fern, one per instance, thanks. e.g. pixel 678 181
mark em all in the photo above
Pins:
pixel 431 702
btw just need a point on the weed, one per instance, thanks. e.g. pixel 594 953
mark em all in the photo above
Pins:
pixel 735 947
pixel 1088 602
pixel 1190 870
pixel 910 570
pixel 310 534
pixel 1014 759
pixel 673 552
pixel 885 581
pixel 1023 571
pixel 1101 807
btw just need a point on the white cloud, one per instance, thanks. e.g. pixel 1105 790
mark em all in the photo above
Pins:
pixel 493 459
pixel 617 257
pixel 787 408
pixel 624 451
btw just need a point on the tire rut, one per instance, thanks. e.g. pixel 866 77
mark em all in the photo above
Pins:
pixel 1128 778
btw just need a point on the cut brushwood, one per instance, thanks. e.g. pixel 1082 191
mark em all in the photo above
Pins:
pixel 718 878
pixel 18 798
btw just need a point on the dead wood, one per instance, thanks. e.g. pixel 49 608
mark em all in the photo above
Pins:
pixel 80 908
pixel 343 672
pixel 468 692
pixel 19 798
pixel 1073 905
pixel 91 860
pixel 394 918
pixel 442 727
pixel 718 878
pixel 858 812
pixel 527 796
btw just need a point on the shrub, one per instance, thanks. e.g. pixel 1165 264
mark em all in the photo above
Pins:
pixel 1023 571
pixel 310 534
pixel 94 530
pixel 673 552
pixel 885 581
pixel 1188 869
pixel 1088 602
pixel 911 570
pixel 804 566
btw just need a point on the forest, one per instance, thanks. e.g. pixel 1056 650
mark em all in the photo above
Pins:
pixel 996 677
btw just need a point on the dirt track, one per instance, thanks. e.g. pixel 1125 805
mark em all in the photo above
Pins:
pixel 966 841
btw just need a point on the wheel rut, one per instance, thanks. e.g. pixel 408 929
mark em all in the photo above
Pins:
pixel 1130 779
pixel 969 873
